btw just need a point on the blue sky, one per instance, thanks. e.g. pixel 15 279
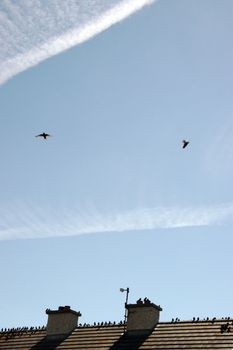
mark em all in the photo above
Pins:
pixel 111 200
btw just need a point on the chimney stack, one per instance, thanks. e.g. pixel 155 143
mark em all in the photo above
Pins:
pixel 142 316
pixel 61 322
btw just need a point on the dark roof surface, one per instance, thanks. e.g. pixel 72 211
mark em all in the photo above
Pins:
pixel 193 335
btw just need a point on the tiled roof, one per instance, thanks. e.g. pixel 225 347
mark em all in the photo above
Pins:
pixel 192 335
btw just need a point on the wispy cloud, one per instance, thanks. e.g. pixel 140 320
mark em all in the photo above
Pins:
pixel 218 157
pixel 22 222
pixel 32 31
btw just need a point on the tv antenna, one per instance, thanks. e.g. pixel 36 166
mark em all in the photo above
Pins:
pixel 122 290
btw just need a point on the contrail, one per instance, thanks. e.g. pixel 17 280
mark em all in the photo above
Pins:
pixel 24 223
pixel 34 30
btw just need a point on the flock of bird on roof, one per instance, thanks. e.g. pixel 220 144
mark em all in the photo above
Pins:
pixel 45 135
pixel 197 319
pixel 224 327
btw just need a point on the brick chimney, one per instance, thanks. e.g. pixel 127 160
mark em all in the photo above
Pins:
pixel 61 322
pixel 142 316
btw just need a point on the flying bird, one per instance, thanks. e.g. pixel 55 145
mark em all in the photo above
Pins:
pixel 44 135
pixel 185 143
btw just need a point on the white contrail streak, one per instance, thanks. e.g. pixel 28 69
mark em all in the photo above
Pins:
pixel 25 51
pixel 22 223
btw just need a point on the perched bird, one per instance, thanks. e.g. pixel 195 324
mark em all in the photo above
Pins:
pixel 185 143
pixel 213 319
pixel 44 135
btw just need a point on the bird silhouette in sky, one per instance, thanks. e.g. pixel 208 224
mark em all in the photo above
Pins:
pixel 44 135
pixel 185 143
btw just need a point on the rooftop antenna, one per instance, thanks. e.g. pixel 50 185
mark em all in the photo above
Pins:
pixel 122 290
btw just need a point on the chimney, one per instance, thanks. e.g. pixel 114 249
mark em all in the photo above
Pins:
pixel 142 316
pixel 61 322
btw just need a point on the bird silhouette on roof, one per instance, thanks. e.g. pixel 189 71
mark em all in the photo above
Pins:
pixel 185 143
pixel 44 135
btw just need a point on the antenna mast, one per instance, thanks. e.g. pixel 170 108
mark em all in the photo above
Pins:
pixel 126 303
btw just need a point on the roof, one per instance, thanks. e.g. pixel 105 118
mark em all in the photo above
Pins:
pixel 215 334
